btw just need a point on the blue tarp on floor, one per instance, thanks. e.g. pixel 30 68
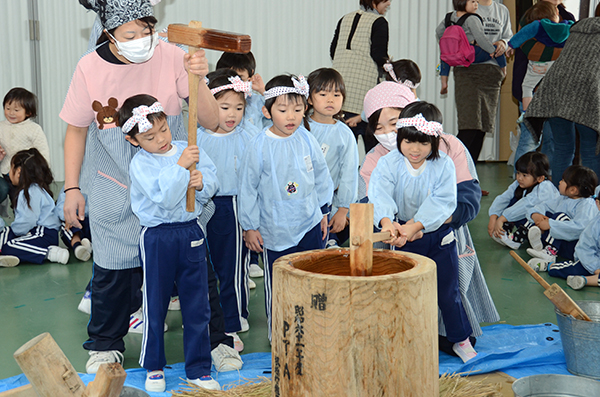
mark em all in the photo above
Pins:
pixel 516 350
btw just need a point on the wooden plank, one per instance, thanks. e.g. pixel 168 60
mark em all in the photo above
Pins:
pixel 23 391
pixel 108 382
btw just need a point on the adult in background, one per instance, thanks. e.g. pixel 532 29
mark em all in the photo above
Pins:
pixel 540 52
pixel 359 51
pixel 478 86
pixel 130 60
pixel 568 99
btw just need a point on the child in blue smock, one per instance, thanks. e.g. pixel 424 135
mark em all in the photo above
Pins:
pixel 585 267
pixel 226 146
pixel 413 190
pixel 327 93
pixel 285 187
pixel 508 223
pixel 172 247
pixel 245 66
pixel 33 235
pixel 560 221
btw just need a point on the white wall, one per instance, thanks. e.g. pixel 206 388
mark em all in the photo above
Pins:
pixel 287 36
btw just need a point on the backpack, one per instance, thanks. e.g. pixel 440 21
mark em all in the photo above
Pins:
pixel 455 48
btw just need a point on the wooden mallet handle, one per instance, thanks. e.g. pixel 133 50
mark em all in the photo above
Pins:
pixel 533 273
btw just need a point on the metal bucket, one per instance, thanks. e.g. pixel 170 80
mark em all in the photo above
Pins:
pixel 555 386
pixel 133 392
pixel 581 340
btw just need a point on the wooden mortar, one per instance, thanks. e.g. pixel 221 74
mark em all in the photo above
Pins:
pixel 340 335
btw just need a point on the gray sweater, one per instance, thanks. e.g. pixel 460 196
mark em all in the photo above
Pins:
pixel 473 29
pixel 571 88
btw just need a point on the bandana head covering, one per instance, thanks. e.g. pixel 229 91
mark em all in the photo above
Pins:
pixel 140 117
pixel 114 13
pixel 432 128
pixel 236 84
pixel 389 68
pixel 387 95
pixel 300 87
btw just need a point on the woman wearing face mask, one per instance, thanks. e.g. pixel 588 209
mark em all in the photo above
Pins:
pixel 129 60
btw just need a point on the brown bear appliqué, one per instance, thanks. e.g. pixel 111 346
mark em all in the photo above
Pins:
pixel 106 114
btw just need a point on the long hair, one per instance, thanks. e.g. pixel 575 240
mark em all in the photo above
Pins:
pixel 34 170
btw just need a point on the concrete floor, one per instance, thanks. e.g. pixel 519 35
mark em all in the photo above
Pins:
pixel 44 298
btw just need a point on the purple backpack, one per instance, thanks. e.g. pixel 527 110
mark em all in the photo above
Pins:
pixel 455 48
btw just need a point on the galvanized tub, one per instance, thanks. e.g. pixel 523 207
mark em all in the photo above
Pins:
pixel 555 386
pixel 133 392
pixel 581 340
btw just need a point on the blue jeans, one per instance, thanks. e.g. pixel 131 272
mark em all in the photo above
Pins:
pixel 563 134
pixel 527 143
pixel 480 57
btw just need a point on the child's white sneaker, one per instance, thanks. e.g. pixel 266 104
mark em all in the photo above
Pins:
pixel 245 324
pixel 255 271
pixel 82 253
pixel 251 284
pixel 85 305
pixel 174 304
pixel 8 261
pixel 155 381
pixel 538 264
pixel 534 235
pixel 205 382
pixel 57 254
pixel 97 358
pixel 509 242
pixel 464 350
pixel 136 323
pixel 548 253
pixel 225 358
pixel 87 244
pixel 238 345
pixel 576 282
pixel 498 240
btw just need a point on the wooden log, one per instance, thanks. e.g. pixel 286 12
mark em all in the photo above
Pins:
pixel 108 382
pixel 361 244
pixel 48 369
pixel 338 335
pixel 23 391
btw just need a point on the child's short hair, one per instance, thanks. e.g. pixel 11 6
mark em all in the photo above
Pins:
pixel 23 97
pixel 535 164
pixel 219 78
pixel 460 5
pixel 431 113
pixel 34 170
pixel 540 10
pixel 126 112
pixel 235 61
pixel 404 69
pixel 368 4
pixel 327 79
pixel 583 178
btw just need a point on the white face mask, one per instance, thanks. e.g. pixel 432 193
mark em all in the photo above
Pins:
pixel 388 140
pixel 137 51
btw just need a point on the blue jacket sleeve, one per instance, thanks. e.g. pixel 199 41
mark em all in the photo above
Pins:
pixel 209 178
pixel 442 200
pixel 164 186
pixel 381 192
pixel 348 187
pixel 468 203
pixel 527 32
pixel 501 202
pixel 323 181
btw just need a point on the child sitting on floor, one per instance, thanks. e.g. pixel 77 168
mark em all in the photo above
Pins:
pixel 508 223
pixel 585 267
pixel 559 221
